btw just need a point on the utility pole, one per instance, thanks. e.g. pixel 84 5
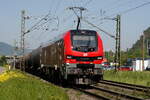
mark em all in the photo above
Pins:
pixel 118 43
pixel 22 43
pixel 119 38
pixel 143 48
pixel 116 47
pixel 15 54
pixel 148 47
pixel 117 59
pixel 24 32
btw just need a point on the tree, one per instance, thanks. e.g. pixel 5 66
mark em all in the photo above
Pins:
pixel 3 60
pixel 109 55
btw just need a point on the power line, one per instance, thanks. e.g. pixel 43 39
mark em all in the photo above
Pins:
pixel 67 18
pixel 126 11
pixel 57 6
pixel 36 24
pixel 131 9
pixel 45 29
pixel 121 4
pixel 88 2
pixel 46 18
pixel 111 3
pixel 122 12
pixel 107 33
pixel 73 3
pixel 51 6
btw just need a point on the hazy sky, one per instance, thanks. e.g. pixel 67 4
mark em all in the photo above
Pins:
pixel 133 23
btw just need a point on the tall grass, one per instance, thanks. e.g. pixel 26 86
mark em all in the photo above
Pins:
pixel 139 78
pixel 25 87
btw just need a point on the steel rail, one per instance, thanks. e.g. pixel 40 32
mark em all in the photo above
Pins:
pixel 91 94
pixel 126 85
pixel 116 93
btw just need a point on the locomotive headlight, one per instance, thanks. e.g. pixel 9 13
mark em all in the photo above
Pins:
pixel 69 57
pixel 67 64
pixel 99 58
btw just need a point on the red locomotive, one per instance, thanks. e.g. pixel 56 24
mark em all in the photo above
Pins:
pixel 75 57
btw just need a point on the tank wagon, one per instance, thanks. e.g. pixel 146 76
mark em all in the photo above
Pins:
pixel 73 57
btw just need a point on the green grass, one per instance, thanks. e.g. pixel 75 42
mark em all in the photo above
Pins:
pixel 139 78
pixel 26 87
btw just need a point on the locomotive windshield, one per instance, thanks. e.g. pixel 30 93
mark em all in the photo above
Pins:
pixel 84 42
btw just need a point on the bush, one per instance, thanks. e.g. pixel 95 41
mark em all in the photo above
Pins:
pixel 15 85
pixel 3 61
pixel 139 78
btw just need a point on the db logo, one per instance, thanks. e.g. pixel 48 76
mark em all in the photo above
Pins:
pixel 85 54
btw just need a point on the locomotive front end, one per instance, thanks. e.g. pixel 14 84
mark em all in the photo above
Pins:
pixel 83 57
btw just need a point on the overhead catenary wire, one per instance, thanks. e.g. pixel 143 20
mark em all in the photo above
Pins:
pixel 36 24
pixel 107 33
pixel 121 12
pixel 73 8
pixel 87 3
pixel 57 6
pixel 73 3
pixel 46 18
pixel 67 18
pixel 120 4
pixel 110 4
pixel 130 9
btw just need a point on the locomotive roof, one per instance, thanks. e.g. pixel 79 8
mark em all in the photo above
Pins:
pixel 83 30
pixel 53 40
pixel 62 35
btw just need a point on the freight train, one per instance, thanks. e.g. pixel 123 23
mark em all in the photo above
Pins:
pixel 73 57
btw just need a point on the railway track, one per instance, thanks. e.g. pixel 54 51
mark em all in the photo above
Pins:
pixel 105 94
pixel 126 85
pixel 142 92
pixel 99 97
pixel 111 90
pixel 115 95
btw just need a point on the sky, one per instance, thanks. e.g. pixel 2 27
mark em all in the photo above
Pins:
pixel 133 23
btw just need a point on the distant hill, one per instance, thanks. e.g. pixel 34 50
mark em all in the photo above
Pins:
pixel 6 49
pixel 136 50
